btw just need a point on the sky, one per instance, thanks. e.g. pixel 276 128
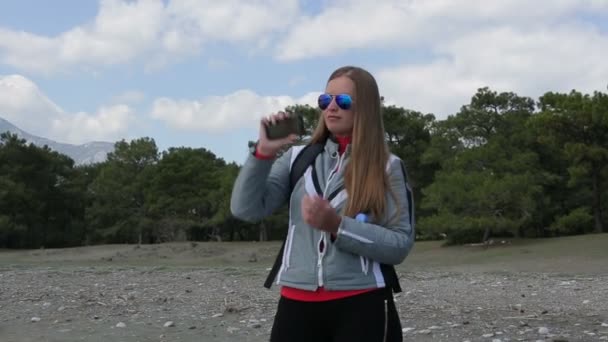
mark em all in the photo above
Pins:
pixel 201 73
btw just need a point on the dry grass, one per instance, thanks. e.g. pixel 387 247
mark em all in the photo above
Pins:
pixel 579 254
pixel 575 254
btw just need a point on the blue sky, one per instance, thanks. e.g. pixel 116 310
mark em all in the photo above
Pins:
pixel 201 73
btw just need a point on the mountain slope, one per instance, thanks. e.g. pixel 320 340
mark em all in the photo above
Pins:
pixel 93 152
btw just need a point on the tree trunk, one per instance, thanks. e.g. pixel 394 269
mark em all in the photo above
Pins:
pixel 232 232
pixel 486 234
pixel 263 232
pixel 597 202
pixel 216 234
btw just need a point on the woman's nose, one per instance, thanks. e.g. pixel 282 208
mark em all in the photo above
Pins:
pixel 333 106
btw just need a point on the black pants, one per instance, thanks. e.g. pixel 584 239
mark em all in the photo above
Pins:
pixel 369 317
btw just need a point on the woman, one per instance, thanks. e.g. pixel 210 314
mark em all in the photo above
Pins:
pixel 350 215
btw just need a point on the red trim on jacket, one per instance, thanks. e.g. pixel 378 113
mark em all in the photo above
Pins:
pixel 320 295
pixel 258 155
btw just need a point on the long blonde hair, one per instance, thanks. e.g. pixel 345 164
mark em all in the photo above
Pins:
pixel 365 179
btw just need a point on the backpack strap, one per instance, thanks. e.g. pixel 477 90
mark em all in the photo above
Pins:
pixel 391 278
pixel 302 161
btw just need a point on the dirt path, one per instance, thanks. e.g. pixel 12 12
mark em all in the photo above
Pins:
pixel 230 305
pixel 45 297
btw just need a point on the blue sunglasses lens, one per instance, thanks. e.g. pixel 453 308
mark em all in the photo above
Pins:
pixel 324 101
pixel 344 101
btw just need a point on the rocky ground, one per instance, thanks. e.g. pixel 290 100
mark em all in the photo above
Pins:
pixel 113 301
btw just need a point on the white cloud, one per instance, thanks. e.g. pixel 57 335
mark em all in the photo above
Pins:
pixel 360 24
pixel 23 104
pixel 125 31
pixel 504 59
pixel 107 124
pixel 220 113
pixel 518 45
pixel 438 88
pixel 232 20
pixel 121 31
pixel 159 32
pixel 356 24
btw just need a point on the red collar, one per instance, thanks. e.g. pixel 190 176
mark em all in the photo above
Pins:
pixel 343 141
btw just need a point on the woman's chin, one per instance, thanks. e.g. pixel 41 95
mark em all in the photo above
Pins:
pixel 338 131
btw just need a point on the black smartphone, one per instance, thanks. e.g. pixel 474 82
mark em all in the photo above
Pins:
pixel 294 124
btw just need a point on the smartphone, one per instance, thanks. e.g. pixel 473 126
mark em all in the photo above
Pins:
pixel 294 124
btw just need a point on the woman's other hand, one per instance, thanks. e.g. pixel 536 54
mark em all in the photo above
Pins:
pixel 318 212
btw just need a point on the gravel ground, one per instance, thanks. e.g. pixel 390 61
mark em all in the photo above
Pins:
pixel 117 303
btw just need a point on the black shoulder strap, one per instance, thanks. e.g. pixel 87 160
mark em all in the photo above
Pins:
pixel 303 160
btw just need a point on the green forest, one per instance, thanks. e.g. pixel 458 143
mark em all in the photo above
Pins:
pixel 503 166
